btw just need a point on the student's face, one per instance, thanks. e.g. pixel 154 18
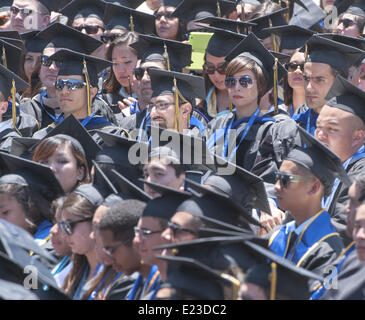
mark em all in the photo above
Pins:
pixel 352 30
pixel 351 206
pixel 166 28
pixel 163 111
pixel 124 63
pixel 48 75
pixel 31 59
pixel 12 211
pixel 59 240
pixel 359 232
pixel 295 77
pixel 318 80
pixel 79 241
pixel 158 171
pixel 64 166
pixel 244 97
pixel 336 129
pixel 91 26
pixel 216 78
pixel 269 43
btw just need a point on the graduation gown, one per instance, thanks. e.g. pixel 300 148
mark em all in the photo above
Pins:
pixel 307 120
pixel 122 287
pixel 7 133
pixel 26 124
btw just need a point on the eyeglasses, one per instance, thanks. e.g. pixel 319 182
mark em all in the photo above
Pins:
pixel 46 62
pixel 161 106
pixel 167 15
pixel 145 232
pixel 4 19
pixel 25 11
pixel 175 228
pixel 72 84
pixel 106 38
pixel 293 66
pixel 245 82
pixel 220 69
pixel 66 226
pixel 110 251
pixel 139 72
pixel 287 178
pixel 89 29
pixel 346 22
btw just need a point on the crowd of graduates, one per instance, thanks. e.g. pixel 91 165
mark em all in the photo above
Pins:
pixel 182 149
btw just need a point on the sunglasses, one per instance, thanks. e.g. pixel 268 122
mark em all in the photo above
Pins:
pixel 106 38
pixel 89 29
pixel 67 226
pixel 139 72
pixel 245 82
pixel 25 11
pixel 176 228
pixel 287 178
pixel 110 251
pixel 145 232
pixel 167 15
pixel 46 62
pixel 220 69
pixel 293 66
pixel 72 84
pixel 346 22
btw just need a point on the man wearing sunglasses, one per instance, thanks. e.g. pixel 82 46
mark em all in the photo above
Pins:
pixel 27 15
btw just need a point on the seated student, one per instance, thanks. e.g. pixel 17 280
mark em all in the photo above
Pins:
pixel 81 89
pixel 310 241
pixel 116 229
pixel 352 21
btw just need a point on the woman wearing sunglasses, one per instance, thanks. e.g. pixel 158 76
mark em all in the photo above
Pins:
pixel 351 23
pixel 77 213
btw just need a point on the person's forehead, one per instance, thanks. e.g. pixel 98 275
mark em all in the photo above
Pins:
pixel 348 16
pixel 329 113
pixel 297 56
pixel 50 51
pixel 152 64
pixel 181 217
pixel 99 213
pixel 148 222
pixel 88 21
pixel 122 51
pixel 26 3
pixel 66 213
pixel 289 167
pixel 214 60
pixel 360 213
pixel 75 77
pixel 157 163
pixel 317 69
pixel 163 98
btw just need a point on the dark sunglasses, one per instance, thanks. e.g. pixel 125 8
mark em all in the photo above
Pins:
pixel 89 29
pixel 286 178
pixel 293 66
pixel 220 69
pixel 25 11
pixel 72 84
pixel 346 22
pixel 245 82
pixel 106 38
pixel 46 62
pixel 167 15
pixel 139 72
pixel 175 228
pixel 67 226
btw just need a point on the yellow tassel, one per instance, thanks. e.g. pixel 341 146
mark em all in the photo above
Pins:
pixel 131 23
pixel 306 52
pixel 288 13
pixel 87 80
pixel 273 279
pixel 5 63
pixel 273 38
pixel 219 13
pixel 177 107
pixel 13 106
pixel 230 107
pixel 166 56
pixel 235 284
pixel 275 88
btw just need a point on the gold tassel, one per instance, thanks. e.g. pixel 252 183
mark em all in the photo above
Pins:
pixel 273 39
pixel 273 279
pixel 235 284
pixel 5 63
pixel 177 95
pixel 306 52
pixel 288 13
pixel 166 56
pixel 275 88
pixel 87 79
pixel 13 105
pixel 230 107
pixel 219 13
pixel 131 23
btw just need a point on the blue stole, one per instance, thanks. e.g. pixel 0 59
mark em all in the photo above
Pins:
pixel 194 122
pixel 314 230
pixel 309 118
pixel 322 289
pixel 88 121
pixel 43 231
pixel 152 284
pixel 61 265
pixel 106 290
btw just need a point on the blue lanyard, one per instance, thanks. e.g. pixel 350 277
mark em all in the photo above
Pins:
pixel 291 110
pixel 43 94
pixel 135 287
pixel 309 128
pixel 61 265
pixel 145 121
pixel 244 134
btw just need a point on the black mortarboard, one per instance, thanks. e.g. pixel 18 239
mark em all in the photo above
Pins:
pixel 307 18
pixel 338 55
pixel 6 78
pixel 84 9
pixel 33 43
pixel 127 3
pixel 193 10
pixel 171 3
pixel 11 34
pixel 342 5
pixel 357 42
pixel 59 35
pixel 72 63
pixel 273 19
pixel 252 48
pixel 29 173
pixel 74 130
pixel 10 56
pixel 319 160
pixel 121 17
pixel 49 4
pixel 153 48
pixel 102 182
pixel 283 273
pixel 227 24
pixel 22 146
pixel 128 188
pixel 89 192
pixel 165 190
pixel 345 96
pixel 291 36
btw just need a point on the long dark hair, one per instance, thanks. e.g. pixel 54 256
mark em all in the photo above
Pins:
pixel 181 31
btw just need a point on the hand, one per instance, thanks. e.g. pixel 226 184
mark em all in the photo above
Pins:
pixel 270 222
pixel 126 103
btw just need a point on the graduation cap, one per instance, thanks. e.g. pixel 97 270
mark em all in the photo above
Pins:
pixel 59 35
pixel 75 131
pixel 10 56
pixel 165 190
pixel 345 96
pixel 171 3
pixel 307 18
pixel 192 10
pixel 21 171
pixel 127 3
pixel 84 9
pixel 279 275
pixel 292 36
pixel 319 160
pixel 11 34
pixel 122 17
pixel 33 43
pixel 49 4
pixel 175 54
pixel 273 71
pixel 357 42
pixel 227 24
pixel 338 55
pixel 22 146
pixel 89 192
pixel 10 83
pixel 75 63
pixel 102 182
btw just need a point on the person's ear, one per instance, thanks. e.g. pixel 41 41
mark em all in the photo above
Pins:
pixel 186 109
pixel 358 137
pixel 316 187
pixel 93 92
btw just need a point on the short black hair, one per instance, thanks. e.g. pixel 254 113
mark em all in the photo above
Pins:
pixel 121 219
